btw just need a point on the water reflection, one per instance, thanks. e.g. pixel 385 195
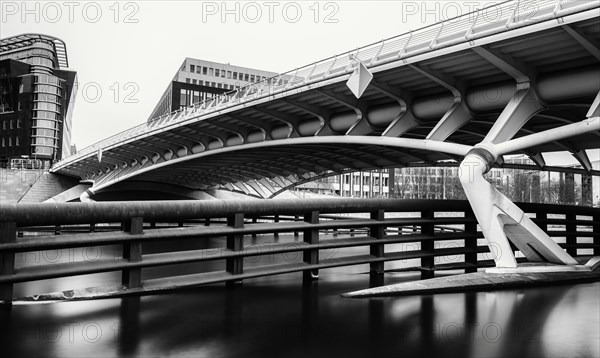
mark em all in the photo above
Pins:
pixel 279 316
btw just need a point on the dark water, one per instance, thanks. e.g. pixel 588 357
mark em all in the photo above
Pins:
pixel 279 317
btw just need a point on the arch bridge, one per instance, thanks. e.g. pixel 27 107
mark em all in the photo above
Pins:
pixel 517 77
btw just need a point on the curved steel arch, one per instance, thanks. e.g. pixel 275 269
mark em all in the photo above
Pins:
pixel 407 143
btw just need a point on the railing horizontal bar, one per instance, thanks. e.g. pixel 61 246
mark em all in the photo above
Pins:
pixel 576 233
pixel 107 238
pixel 25 214
pixel 579 246
pixel 206 278
pixel 41 272
pixel 563 222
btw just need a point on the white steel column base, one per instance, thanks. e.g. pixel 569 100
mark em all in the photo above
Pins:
pixel 501 220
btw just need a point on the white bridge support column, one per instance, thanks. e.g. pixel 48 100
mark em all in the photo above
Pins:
pixel 501 220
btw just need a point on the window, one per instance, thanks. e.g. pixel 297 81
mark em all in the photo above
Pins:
pixel 212 84
pixel 19 106
pixel 3 142
pixel 220 85
pixel 187 80
pixel 182 97
pixel 204 70
pixel 21 88
pixel 246 77
pixel 4 125
pixel 235 75
pixel 228 74
pixel 17 141
pixel 217 72
pixel 201 83
pixel 223 73
pixel 192 68
pixel 12 124
pixel 10 141
pixel 18 123
pixel 210 71
pixel 252 78
pixel 194 81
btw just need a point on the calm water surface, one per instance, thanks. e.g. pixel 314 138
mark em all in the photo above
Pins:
pixel 279 317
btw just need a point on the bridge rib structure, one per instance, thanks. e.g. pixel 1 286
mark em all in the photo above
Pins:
pixel 470 89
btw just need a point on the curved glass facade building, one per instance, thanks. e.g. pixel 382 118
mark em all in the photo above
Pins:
pixel 37 93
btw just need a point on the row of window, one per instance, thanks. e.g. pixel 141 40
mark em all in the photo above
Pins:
pixel 52 80
pixel 31 53
pixel 8 142
pixel 365 182
pixel 45 97
pixel 209 71
pixel 42 123
pixel 47 89
pixel 46 106
pixel 211 84
pixel 44 141
pixel 46 115
pixel 40 61
pixel 42 132
pixel 11 124
pixel 189 97
pixel 43 150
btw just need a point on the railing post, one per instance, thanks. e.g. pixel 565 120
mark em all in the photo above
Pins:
pixel 427 245
pixel 541 217
pixel 132 251
pixel 596 230
pixel 276 220
pixel 571 237
pixel 378 250
pixel 235 242
pixel 471 242
pixel 8 235
pixel 311 236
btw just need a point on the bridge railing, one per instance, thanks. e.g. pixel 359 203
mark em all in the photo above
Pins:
pixel 379 231
pixel 488 21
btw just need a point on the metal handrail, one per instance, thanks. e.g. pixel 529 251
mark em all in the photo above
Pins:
pixel 470 26
pixel 30 214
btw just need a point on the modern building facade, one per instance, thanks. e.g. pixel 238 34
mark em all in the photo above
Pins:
pixel 442 183
pixel 37 95
pixel 198 80
pixel 360 184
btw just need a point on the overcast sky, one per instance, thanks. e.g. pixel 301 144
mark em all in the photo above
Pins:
pixel 130 50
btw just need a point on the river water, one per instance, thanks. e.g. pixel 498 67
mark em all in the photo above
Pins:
pixel 280 317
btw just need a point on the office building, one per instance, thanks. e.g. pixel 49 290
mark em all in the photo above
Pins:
pixel 198 80
pixel 37 94
pixel 361 184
